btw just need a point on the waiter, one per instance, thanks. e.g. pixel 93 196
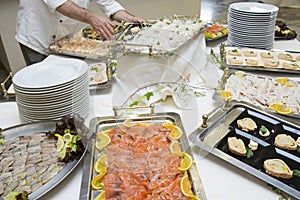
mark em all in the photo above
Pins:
pixel 40 22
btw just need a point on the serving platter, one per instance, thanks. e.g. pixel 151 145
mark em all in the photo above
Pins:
pixel 260 91
pixel 29 130
pixel 221 124
pixel 261 60
pixel 99 124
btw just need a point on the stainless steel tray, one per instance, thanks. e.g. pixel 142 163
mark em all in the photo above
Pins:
pixel 257 68
pixel 221 124
pixel 42 126
pixel 229 72
pixel 102 123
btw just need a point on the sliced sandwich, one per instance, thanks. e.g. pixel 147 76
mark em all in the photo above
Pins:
pixel 236 146
pixel 278 168
pixel 285 141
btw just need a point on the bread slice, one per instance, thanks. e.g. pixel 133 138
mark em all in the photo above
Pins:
pixel 285 141
pixel 236 146
pixel 247 124
pixel 278 168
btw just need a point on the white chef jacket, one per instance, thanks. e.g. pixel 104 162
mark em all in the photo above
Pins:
pixel 38 24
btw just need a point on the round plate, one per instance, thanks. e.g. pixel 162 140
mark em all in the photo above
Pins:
pixel 254 7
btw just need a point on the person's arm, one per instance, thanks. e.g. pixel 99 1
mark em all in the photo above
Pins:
pixel 102 25
pixel 123 15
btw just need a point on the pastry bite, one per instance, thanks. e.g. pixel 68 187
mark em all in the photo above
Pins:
pixel 298 58
pixel 247 124
pixel 250 53
pixel 270 63
pixel 285 56
pixel 236 146
pixel 253 145
pixel 235 61
pixel 285 141
pixel 251 62
pixel 290 65
pixel 266 55
pixel 234 52
pixel 278 168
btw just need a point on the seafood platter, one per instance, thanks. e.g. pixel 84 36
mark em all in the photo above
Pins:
pixel 260 60
pixel 161 36
pixel 144 156
pixel 216 32
pixel 276 95
pixel 254 141
pixel 35 157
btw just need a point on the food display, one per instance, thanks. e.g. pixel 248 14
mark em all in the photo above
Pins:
pixel 274 157
pixel 35 157
pixel 215 31
pixel 82 47
pixel 146 157
pixel 283 32
pixel 279 94
pixel 163 35
pixel 258 59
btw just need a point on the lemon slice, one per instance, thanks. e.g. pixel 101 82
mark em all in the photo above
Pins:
pixel 185 162
pixel 101 196
pixel 101 164
pixel 68 138
pixel 225 94
pixel 175 133
pixel 102 141
pixel 280 108
pixel 284 81
pixel 175 147
pixel 106 132
pixel 60 144
pixel 186 187
pixel 96 182
pixel 58 135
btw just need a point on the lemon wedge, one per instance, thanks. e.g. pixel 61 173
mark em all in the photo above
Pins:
pixel 280 108
pixel 58 136
pixel 185 162
pixel 225 94
pixel 101 164
pixel 175 147
pixel 284 81
pixel 186 187
pixel 101 196
pixel 106 132
pixel 96 182
pixel 60 144
pixel 68 138
pixel 102 140
pixel 175 133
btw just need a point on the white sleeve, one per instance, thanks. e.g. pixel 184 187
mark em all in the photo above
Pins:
pixel 109 7
pixel 53 4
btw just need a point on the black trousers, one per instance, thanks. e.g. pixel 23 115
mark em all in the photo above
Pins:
pixel 31 56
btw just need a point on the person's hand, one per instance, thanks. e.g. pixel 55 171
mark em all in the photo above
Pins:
pixel 103 26
pixel 123 15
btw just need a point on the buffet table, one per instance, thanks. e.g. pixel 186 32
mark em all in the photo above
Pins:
pixel 220 179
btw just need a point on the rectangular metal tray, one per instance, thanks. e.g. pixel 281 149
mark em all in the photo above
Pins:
pixel 102 123
pixel 257 68
pixel 222 124
pixel 42 126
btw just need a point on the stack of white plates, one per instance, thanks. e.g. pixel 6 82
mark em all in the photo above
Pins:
pixel 52 88
pixel 251 24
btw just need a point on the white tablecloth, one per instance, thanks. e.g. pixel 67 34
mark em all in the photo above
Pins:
pixel 221 180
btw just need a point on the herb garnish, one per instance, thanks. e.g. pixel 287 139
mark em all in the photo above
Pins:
pixel 249 152
pixel 148 95
pixel 296 172
pixel 263 129
pixel 135 103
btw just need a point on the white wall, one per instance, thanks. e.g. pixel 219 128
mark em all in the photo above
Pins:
pixel 8 14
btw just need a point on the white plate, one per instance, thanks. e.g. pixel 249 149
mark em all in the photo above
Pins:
pixel 53 71
pixel 254 7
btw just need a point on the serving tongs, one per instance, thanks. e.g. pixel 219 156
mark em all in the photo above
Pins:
pixel 7 83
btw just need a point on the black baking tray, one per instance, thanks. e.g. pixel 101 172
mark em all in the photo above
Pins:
pixel 215 141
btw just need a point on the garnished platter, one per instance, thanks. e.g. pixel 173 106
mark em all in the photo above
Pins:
pixel 238 136
pixel 142 163
pixel 260 60
pixel 39 165
pixel 284 32
pixel 215 32
pixel 272 94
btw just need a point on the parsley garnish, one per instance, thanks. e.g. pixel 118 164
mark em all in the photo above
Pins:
pixel 249 152
pixel 148 95
pixel 135 103
pixel 296 172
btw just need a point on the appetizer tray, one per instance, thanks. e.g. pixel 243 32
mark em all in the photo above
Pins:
pixel 215 32
pixel 222 124
pixel 260 60
pixel 100 124
pixel 47 180
pixel 161 36
pixel 100 75
pixel 260 91
pixel 283 32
